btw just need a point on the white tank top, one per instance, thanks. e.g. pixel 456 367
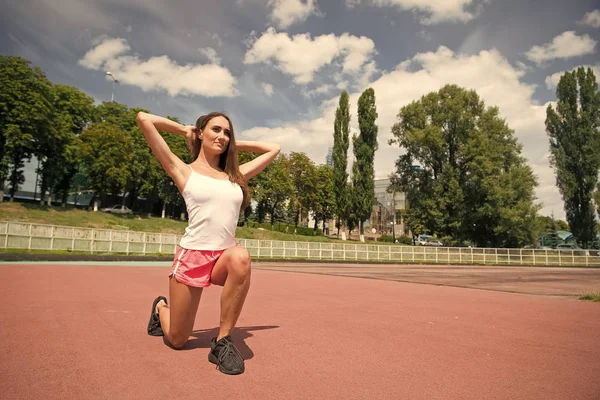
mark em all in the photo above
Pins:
pixel 213 207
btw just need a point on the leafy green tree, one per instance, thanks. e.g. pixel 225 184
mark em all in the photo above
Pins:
pixel 25 115
pixel 58 151
pixel 304 177
pixel 341 131
pixel 116 114
pixel 142 179
pixel 261 210
pixel 575 148
pixel 274 188
pixel 106 153
pixel 292 211
pixel 364 146
pixel 49 150
pixel 324 206
pixel 463 172
pixel 597 200
pixel 550 224
pixel 415 218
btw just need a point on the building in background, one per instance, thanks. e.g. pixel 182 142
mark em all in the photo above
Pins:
pixel 386 216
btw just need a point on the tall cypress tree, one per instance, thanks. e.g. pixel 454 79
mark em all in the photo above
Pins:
pixel 363 170
pixel 575 148
pixel 341 129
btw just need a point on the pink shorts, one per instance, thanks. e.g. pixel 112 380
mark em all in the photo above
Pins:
pixel 193 267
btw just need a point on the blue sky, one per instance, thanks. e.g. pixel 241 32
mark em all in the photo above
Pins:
pixel 278 66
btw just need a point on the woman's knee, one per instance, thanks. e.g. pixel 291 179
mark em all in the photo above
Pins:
pixel 240 262
pixel 178 340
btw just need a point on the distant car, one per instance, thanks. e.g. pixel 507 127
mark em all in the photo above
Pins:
pixel 433 243
pixel 117 209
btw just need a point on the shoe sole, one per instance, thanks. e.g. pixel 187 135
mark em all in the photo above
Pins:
pixel 214 360
pixel 152 312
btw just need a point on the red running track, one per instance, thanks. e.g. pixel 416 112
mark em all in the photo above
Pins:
pixel 78 332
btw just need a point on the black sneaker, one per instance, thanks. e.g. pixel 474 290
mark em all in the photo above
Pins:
pixel 154 328
pixel 226 356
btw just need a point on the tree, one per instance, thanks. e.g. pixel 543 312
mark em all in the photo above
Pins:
pixel 116 114
pixel 575 148
pixel 549 224
pixel 274 188
pixel 463 172
pixel 25 115
pixel 304 177
pixel 341 130
pixel 143 167
pixel 411 177
pixel 597 200
pixel 364 146
pixel 106 153
pixel 324 205
pixel 49 150
pixel 58 151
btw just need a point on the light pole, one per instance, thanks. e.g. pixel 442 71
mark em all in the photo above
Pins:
pixel 112 97
pixel 394 216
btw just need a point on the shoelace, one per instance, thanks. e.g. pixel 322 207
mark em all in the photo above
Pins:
pixel 228 349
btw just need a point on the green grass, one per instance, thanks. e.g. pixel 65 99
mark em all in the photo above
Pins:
pixel 592 296
pixel 87 219
pixel 263 234
pixel 70 216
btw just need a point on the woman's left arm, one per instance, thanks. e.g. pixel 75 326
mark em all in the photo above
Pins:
pixel 268 152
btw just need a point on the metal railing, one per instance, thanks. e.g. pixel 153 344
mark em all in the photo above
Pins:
pixel 32 236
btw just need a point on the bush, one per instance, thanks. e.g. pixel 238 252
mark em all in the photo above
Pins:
pixel 281 227
pixel 448 241
pixel 385 238
pixel 400 239
pixel 404 240
pixel 306 231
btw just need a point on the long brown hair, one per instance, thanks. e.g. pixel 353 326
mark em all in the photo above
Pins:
pixel 228 160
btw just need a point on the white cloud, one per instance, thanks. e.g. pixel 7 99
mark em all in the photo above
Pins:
pixel 285 13
pixel 524 67
pixel 319 91
pixel 552 80
pixel 300 136
pixel 106 50
pixel 565 45
pixel 268 89
pixel 431 11
pixel 301 56
pixel 592 19
pixel 215 36
pixel 160 73
pixel 489 73
pixel 210 54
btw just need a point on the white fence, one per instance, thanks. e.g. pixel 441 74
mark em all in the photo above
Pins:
pixel 20 235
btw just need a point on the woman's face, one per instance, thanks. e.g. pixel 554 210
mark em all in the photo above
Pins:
pixel 216 135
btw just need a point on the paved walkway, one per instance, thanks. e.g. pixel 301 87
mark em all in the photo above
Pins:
pixel 533 280
pixel 78 332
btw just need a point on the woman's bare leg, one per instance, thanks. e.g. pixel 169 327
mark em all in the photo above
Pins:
pixel 177 318
pixel 232 271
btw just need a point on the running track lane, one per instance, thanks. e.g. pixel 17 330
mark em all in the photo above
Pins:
pixel 78 332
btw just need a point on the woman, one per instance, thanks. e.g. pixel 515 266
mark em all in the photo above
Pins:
pixel 215 190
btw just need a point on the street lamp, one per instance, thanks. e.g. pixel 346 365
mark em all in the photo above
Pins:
pixel 112 97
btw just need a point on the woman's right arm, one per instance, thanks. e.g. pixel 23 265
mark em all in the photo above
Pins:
pixel 150 124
